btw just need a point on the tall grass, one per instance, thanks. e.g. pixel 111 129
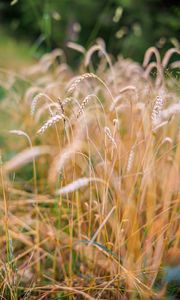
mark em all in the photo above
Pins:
pixel 91 207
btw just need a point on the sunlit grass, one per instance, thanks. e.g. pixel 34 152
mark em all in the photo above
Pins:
pixel 90 194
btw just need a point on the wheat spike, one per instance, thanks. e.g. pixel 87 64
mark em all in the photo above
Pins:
pixel 130 159
pixel 77 184
pixel 50 123
pixel 36 100
pixel 156 112
pixel 109 135
pixel 79 80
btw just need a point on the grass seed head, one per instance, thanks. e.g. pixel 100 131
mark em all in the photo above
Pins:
pixel 49 123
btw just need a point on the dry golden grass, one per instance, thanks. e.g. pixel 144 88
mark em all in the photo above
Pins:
pixel 89 199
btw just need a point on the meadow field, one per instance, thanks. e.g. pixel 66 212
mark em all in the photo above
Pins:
pixel 89 177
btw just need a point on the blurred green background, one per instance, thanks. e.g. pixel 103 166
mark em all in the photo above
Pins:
pixel 128 27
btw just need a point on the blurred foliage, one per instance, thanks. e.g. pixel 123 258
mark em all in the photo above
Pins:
pixel 14 55
pixel 127 26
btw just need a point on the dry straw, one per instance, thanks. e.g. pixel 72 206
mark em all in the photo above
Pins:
pixel 102 225
pixel 99 181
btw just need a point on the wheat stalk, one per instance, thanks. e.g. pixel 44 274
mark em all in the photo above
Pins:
pixel 130 159
pixel 25 157
pixel 168 55
pixel 36 100
pixel 52 121
pixel 85 102
pixel 101 226
pixel 102 49
pixel 173 109
pixel 77 184
pixel 119 97
pixel 76 47
pixel 79 80
pixel 67 100
pixel 85 76
pixel 110 136
pixel 156 112
pixel 150 51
